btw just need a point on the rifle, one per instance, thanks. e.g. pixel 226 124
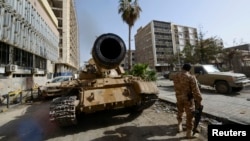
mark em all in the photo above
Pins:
pixel 197 117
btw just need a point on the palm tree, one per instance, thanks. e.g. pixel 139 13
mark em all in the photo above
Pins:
pixel 130 12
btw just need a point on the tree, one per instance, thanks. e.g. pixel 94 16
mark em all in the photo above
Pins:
pixel 211 51
pixel 201 52
pixel 143 71
pixel 189 54
pixel 130 12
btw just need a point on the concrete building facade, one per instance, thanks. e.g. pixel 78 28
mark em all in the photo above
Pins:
pixel 183 35
pixel 125 63
pixel 29 43
pixel 154 41
pixel 159 41
pixel 69 58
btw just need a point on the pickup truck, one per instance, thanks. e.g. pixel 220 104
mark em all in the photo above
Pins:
pixel 223 82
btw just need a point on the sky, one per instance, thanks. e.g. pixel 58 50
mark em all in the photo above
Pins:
pixel 225 19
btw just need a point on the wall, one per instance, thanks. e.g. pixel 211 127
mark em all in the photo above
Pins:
pixel 24 83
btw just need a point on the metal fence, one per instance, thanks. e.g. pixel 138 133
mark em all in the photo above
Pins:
pixel 17 97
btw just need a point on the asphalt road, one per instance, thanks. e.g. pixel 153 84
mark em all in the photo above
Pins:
pixel 31 123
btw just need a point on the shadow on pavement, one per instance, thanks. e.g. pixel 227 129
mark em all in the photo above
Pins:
pixel 141 133
pixel 28 126
pixel 34 125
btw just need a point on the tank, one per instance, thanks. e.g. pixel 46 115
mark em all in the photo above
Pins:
pixel 102 85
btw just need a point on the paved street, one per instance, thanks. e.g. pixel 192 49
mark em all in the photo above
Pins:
pixel 31 123
pixel 234 108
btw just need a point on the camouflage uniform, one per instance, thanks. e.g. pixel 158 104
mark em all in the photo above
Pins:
pixel 184 84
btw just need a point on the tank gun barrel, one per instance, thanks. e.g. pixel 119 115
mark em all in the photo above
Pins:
pixel 108 51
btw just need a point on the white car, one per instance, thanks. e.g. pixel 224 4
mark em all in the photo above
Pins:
pixel 51 87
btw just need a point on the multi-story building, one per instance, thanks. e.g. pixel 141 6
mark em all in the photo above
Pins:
pixel 30 34
pixel 159 41
pixel 153 43
pixel 183 35
pixel 69 57
pixel 125 63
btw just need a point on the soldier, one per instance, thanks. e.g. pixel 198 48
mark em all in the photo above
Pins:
pixel 187 91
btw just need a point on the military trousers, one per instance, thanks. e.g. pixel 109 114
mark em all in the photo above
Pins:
pixel 187 106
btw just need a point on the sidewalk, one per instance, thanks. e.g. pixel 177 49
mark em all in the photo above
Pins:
pixel 225 108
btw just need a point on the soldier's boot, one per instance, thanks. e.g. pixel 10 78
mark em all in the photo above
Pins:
pixel 189 134
pixel 180 129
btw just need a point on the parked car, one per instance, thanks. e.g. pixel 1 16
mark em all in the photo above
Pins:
pixel 51 87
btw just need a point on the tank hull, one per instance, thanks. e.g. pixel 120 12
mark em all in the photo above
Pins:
pixel 89 96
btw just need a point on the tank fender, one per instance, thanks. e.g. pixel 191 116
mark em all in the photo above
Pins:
pixel 145 87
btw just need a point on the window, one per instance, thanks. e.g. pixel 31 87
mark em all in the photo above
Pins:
pixel 211 68
pixel 198 70
pixel 40 62
pixel 4 53
pixel 22 58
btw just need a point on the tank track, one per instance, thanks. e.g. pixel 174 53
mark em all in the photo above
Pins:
pixel 63 111
pixel 147 100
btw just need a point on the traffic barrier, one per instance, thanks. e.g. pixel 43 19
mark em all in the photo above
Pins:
pixel 18 97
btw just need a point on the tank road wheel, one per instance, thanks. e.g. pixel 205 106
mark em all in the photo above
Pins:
pixel 223 87
pixel 147 100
